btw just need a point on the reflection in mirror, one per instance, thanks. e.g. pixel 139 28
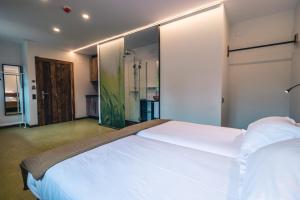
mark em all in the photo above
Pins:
pixel 141 69
pixel 12 79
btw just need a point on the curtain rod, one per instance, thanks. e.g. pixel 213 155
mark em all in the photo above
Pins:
pixel 294 41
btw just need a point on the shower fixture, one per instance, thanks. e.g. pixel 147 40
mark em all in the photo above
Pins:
pixel 128 52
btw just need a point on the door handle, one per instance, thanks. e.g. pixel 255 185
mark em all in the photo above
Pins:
pixel 44 93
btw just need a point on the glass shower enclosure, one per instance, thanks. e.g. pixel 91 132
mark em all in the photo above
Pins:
pixel 141 71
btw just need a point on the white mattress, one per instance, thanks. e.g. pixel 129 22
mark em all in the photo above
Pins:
pixel 214 139
pixel 136 168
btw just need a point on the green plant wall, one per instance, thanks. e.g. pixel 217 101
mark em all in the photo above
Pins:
pixel 111 84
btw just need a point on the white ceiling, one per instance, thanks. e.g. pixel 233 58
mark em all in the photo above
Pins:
pixel 33 19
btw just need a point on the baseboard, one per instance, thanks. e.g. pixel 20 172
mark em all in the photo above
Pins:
pixel 93 117
pixel 11 125
pixel 32 126
pixel 87 117
pixel 129 123
pixel 36 125
pixel 79 118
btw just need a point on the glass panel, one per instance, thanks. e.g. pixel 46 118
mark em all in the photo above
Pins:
pixel 132 89
pixel 141 61
pixel 111 82
pixel 152 88
pixel 12 89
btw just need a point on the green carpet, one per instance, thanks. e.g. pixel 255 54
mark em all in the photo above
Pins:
pixel 17 143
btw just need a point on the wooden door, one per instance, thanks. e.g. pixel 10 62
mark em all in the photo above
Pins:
pixel 55 94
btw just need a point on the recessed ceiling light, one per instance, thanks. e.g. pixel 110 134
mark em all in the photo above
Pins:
pixel 56 29
pixel 85 16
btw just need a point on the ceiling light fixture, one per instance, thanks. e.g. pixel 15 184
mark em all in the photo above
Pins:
pixel 157 23
pixel 85 16
pixel 56 29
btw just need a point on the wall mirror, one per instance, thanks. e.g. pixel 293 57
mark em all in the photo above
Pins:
pixel 12 87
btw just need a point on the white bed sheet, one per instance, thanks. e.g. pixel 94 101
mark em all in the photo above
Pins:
pixel 136 168
pixel 214 139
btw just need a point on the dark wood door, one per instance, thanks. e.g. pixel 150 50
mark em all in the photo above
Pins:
pixel 55 94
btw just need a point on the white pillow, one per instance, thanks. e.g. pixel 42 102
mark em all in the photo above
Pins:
pixel 272 120
pixel 267 131
pixel 273 172
pixel 262 133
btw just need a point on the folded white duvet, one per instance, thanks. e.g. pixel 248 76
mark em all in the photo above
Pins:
pixel 136 168
pixel 214 139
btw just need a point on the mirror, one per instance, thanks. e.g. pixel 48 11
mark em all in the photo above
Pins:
pixel 12 79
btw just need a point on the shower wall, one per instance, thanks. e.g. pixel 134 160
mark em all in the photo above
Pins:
pixel 141 80
pixel 111 82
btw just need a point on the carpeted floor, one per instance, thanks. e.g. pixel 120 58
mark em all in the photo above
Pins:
pixel 18 143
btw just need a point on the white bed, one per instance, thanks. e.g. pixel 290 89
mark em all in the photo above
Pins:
pixel 137 168
pixel 179 160
pixel 213 139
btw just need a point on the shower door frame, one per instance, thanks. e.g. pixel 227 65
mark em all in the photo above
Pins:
pixel 137 83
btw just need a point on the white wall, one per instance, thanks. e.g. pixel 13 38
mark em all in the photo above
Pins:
pixel 295 94
pixel 10 53
pixel 82 84
pixel 225 72
pixel 192 62
pixel 259 77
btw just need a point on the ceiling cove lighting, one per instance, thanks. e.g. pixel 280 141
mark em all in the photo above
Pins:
pixel 157 23
pixel 85 16
pixel 56 29
pixel 291 88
